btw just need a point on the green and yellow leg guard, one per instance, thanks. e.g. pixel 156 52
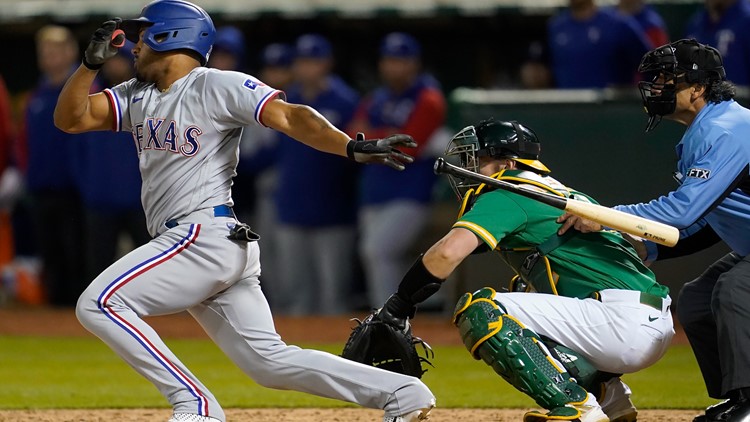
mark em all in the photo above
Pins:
pixel 517 354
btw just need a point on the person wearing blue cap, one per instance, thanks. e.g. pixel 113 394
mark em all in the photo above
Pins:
pixel 229 49
pixel 594 48
pixel 316 236
pixel 723 24
pixel 394 206
pixel 276 70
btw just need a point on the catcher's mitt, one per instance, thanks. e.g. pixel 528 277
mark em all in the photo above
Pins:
pixel 385 346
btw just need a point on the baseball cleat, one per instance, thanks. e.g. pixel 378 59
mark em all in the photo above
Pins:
pixel 586 411
pixel 415 416
pixel 190 417
pixel 616 401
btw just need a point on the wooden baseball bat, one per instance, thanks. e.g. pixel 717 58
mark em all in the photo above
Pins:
pixel 637 226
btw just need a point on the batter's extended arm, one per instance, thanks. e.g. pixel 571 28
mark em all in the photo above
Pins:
pixel 311 128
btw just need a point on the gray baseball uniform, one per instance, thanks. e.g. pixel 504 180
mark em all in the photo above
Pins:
pixel 187 140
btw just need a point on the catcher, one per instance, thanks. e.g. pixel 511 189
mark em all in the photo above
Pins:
pixel 596 311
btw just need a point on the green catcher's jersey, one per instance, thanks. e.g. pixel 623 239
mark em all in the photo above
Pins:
pixel 585 263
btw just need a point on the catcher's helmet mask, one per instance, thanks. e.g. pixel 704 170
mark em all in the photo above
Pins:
pixel 173 25
pixel 492 138
pixel 683 61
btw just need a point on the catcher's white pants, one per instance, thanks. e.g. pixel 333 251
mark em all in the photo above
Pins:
pixel 617 334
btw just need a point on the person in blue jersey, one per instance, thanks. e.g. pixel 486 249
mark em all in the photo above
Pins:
pixel 395 205
pixel 594 48
pixel 712 203
pixel 648 19
pixel 316 231
pixel 724 24
pixel 111 183
pixel 229 49
pixel 50 162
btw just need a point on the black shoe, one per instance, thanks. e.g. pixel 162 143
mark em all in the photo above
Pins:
pixel 713 411
pixel 739 412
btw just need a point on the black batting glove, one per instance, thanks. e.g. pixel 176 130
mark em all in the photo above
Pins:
pixel 381 151
pixel 102 47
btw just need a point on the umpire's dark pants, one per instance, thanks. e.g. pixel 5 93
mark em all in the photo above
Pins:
pixel 714 310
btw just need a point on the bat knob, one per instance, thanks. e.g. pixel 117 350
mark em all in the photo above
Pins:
pixel 439 165
pixel 118 38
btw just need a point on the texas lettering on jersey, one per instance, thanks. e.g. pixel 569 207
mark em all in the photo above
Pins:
pixel 157 134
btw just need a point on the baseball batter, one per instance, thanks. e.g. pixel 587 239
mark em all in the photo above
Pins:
pixel 186 122
pixel 597 311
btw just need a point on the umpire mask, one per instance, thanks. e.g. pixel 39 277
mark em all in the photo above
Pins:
pixel 664 67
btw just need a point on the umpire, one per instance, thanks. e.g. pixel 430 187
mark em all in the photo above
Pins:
pixel 712 203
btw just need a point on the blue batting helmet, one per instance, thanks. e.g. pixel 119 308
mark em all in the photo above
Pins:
pixel 172 25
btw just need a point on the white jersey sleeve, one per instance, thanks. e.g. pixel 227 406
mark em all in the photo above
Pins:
pixel 235 99
pixel 120 97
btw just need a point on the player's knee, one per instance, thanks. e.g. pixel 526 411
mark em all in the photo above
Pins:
pixel 514 351
pixel 86 307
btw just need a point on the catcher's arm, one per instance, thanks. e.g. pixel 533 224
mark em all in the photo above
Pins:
pixel 384 338
pixel 429 271
pixel 447 253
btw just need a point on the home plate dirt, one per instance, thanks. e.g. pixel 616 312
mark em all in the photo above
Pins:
pixel 302 415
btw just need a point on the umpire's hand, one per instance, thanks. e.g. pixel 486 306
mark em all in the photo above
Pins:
pixel 381 151
pixel 102 46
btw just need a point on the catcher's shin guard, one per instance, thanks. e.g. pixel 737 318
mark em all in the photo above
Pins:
pixel 516 353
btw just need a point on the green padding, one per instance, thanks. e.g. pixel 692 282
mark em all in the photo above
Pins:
pixel 513 353
pixel 578 367
pixel 562 413
pixel 475 323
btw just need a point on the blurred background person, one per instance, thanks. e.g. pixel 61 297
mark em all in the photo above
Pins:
pixel 648 19
pixel 395 204
pixel 594 48
pixel 725 25
pixel 111 183
pixel 534 72
pixel 316 232
pixel 51 161
pixel 228 52
pixel 257 173
pixel 10 186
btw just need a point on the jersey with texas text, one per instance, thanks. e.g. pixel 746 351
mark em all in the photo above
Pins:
pixel 188 137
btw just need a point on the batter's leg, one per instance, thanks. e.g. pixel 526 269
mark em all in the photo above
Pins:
pixel 240 322
pixel 173 272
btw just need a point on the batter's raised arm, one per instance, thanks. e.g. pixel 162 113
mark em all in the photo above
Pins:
pixel 308 126
pixel 76 110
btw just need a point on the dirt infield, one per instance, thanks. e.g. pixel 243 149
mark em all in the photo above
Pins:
pixel 436 328
pixel 304 415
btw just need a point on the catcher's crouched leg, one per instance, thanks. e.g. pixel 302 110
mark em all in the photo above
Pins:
pixel 518 355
